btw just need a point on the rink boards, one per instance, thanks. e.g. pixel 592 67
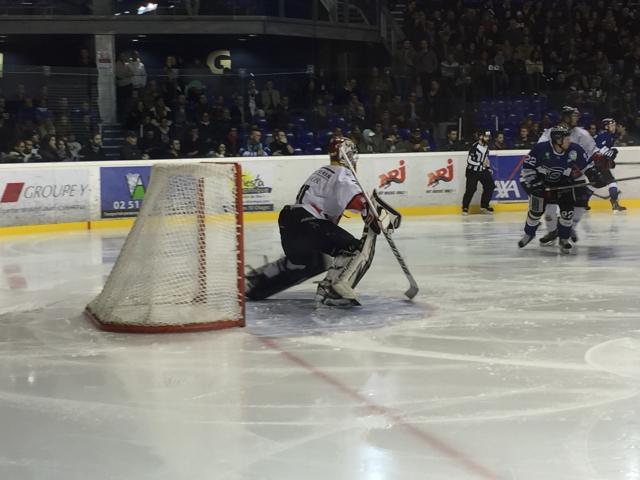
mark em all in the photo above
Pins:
pixel 55 196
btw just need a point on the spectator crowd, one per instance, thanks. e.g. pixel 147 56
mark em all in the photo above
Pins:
pixel 585 54
pixel 503 66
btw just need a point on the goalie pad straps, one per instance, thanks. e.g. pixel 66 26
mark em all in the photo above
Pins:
pixel 280 275
pixel 349 267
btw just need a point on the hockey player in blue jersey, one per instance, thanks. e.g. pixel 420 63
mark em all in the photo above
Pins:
pixel 569 117
pixel 555 163
pixel 605 141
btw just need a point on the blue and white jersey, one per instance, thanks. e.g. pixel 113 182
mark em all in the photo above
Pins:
pixel 605 141
pixel 578 135
pixel 554 168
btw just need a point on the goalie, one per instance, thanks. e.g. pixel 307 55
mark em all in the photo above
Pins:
pixel 313 242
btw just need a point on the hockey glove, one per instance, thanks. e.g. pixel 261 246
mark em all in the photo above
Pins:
pixel 596 178
pixel 373 223
pixel 611 155
pixel 534 187
pixel 390 218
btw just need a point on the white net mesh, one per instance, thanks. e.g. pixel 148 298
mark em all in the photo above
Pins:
pixel 181 265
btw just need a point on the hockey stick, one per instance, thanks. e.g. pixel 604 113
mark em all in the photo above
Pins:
pixel 585 184
pixel 413 286
pixel 601 196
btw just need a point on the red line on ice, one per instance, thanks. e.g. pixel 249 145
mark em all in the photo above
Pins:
pixel 398 419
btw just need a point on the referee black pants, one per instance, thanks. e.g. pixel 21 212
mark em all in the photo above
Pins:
pixel 488 186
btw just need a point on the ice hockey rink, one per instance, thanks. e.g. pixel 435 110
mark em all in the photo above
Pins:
pixel 510 364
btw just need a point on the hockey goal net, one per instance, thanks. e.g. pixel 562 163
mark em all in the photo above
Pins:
pixel 181 266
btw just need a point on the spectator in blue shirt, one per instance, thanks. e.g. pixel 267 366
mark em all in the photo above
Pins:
pixel 254 147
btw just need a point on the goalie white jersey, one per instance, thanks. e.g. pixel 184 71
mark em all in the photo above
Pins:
pixel 327 192
pixel 578 135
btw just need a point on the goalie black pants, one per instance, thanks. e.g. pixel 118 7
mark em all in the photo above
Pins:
pixel 305 241
pixel 488 186
pixel 305 238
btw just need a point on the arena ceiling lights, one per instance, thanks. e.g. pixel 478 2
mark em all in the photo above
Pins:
pixel 148 8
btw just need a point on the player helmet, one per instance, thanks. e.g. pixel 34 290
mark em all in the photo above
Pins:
pixel 558 133
pixel 568 110
pixel 569 116
pixel 339 147
pixel 605 122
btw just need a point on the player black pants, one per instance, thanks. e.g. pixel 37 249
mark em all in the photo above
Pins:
pixel 566 200
pixel 577 197
pixel 488 186
pixel 305 238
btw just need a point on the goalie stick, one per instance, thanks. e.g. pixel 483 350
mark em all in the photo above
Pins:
pixel 413 286
pixel 585 184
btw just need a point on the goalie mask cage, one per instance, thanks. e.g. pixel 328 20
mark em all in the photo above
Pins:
pixel 181 266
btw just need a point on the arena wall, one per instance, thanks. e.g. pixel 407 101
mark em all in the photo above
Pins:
pixel 44 197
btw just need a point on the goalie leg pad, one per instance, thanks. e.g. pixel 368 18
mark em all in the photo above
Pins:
pixel 348 269
pixel 280 275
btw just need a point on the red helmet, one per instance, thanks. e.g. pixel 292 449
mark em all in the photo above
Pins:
pixel 339 147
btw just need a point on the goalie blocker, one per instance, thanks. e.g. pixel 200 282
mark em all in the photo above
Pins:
pixel 313 245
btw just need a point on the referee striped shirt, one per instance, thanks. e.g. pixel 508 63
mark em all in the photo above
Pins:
pixel 478 158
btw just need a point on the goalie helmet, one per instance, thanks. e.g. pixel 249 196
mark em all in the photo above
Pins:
pixel 341 147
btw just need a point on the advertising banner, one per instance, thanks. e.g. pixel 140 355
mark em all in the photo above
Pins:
pixel 442 180
pixel 392 177
pixel 36 194
pixel 413 179
pixel 122 190
pixel 506 175
pixel 48 195
pixel 257 186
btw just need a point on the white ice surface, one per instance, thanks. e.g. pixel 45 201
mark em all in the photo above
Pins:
pixel 510 364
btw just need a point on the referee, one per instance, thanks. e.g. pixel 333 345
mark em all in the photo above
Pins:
pixel 478 170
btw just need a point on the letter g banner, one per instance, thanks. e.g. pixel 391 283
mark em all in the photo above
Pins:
pixel 218 61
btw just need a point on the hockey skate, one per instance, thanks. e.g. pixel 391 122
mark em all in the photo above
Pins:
pixel 465 212
pixel 565 246
pixel 524 241
pixel 327 294
pixel 617 208
pixel 549 239
pixel 573 235
pixel 487 210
